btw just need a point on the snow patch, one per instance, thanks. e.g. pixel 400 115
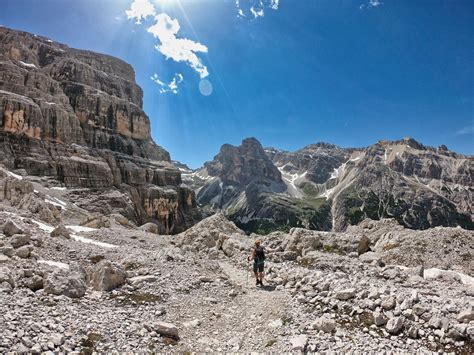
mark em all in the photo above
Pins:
pixel 79 229
pixel 92 241
pixel 434 273
pixel 57 264
pixel 29 65
pixel 9 173
pixel 43 226
pixel 56 202
pixel 59 188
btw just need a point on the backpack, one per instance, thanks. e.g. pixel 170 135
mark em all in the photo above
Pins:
pixel 259 253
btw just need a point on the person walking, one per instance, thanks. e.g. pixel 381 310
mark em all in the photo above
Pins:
pixel 258 257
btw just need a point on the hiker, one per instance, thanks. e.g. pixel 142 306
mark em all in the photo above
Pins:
pixel 258 257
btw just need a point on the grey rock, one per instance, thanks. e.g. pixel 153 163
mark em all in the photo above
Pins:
pixel 60 231
pixel 165 329
pixel 394 325
pixel 466 315
pixel 71 283
pixel 24 251
pixel 107 276
pixel 19 240
pixel 345 294
pixel 11 228
pixel 298 343
pixel 324 324
pixel 379 319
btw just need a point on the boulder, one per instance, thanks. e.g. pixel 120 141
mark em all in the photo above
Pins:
pixel 379 319
pixel 167 330
pixel 150 228
pixel 347 294
pixel 6 276
pixel 11 228
pixel 34 283
pixel 71 282
pixel 107 276
pixel 19 240
pixel 24 251
pixel 388 303
pixel 60 231
pixel 324 324
pixel 364 245
pixel 298 343
pixel 466 315
pixel 395 325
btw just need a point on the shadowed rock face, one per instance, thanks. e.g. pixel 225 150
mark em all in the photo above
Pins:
pixel 77 116
pixel 244 164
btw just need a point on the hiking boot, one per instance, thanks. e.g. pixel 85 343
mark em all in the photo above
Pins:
pixel 260 282
pixel 257 283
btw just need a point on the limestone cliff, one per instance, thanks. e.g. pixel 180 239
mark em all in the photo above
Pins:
pixel 77 116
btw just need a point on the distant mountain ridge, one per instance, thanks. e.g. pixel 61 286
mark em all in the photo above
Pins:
pixel 323 186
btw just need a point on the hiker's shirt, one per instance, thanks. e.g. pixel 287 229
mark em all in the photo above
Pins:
pixel 259 257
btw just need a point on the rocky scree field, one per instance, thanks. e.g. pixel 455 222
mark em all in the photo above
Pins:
pixel 104 285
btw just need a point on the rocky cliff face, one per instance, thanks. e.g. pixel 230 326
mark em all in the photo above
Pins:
pixel 327 187
pixel 76 116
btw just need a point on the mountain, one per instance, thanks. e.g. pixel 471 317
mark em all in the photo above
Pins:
pixel 324 187
pixel 77 117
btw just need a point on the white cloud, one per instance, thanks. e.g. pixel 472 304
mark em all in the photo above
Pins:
pixel 172 86
pixel 141 9
pixel 178 49
pixel 371 3
pixel 255 7
pixel 466 130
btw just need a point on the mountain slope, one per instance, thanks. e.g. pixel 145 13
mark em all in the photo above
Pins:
pixel 76 117
pixel 322 186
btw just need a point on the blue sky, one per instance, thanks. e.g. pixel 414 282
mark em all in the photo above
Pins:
pixel 340 71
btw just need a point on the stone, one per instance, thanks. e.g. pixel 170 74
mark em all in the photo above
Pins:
pixel 7 250
pixel 457 332
pixel 388 303
pixel 10 228
pixel 138 280
pixel 23 252
pixel 394 325
pixel 70 283
pixel 19 240
pixel 4 259
pixel 379 319
pixel 6 276
pixel 150 228
pixel 107 276
pixel 192 324
pixel 165 329
pixel 298 343
pixel 466 315
pixel 324 324
pixel 277 323
pixel 369 257
pixel 364 245
pixel 346 294
pixel 419 309
pixel 60 231
pixel 413 332
pixel 57 339
pixel 34 283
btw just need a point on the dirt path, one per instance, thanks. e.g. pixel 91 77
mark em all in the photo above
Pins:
pixel 238 322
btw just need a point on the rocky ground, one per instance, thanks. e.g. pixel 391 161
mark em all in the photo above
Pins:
pixel 120 288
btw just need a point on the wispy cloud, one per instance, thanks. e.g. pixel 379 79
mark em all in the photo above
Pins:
pixel 172 86
pixel 140 10
pixel 178 49
pixel 465 130
pixel 370 4
pixel 255 8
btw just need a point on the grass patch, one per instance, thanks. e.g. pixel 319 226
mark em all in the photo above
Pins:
pixel 390 246
pixel 89 344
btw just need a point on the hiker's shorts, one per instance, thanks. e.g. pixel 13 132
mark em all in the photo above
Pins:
pixel 258 266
